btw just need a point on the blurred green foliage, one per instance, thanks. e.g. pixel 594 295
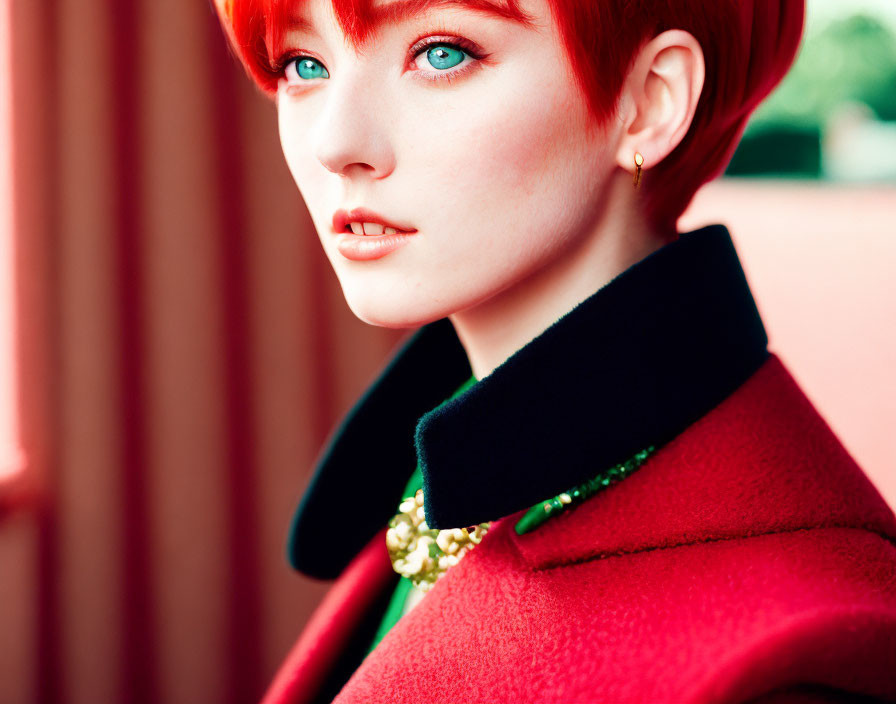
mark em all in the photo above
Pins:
pixel 850 59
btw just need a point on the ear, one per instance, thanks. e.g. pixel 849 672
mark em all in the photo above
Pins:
pixel 660 97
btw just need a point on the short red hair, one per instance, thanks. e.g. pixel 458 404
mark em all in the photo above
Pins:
pixel 748 47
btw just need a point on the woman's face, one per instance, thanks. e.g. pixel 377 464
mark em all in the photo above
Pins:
pixel 466 129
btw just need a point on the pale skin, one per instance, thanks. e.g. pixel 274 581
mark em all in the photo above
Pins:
pixel 521 211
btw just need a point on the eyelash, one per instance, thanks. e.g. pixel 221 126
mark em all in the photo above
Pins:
pixel 417 48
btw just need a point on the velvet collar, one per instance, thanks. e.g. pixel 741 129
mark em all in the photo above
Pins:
pixel 632 366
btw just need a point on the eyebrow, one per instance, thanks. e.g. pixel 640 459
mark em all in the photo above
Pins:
pixel 403 10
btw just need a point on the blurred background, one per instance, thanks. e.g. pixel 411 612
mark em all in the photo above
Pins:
pixel 174 348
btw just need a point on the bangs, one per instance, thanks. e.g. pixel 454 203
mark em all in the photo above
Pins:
pixel 257 27
pixel 748 47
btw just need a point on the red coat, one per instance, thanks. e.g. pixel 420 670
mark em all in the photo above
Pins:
pixel 748 556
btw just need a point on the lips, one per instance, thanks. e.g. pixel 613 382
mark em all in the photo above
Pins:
pixel 343 219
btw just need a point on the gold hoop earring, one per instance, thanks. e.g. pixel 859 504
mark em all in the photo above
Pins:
pixel 639 161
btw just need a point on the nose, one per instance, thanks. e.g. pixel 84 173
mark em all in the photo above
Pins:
pixel 351 137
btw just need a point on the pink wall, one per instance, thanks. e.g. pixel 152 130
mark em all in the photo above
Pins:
pixel 821 259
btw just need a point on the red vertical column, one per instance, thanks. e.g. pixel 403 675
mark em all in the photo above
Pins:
pixel 244 609
pixel 139 679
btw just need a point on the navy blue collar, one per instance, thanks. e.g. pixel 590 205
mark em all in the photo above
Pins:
pixel 632 366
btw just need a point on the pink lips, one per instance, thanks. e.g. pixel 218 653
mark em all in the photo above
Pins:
pixel 367 247
pixel 362 248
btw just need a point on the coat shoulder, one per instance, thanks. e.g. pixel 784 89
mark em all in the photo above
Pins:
pixel 804 615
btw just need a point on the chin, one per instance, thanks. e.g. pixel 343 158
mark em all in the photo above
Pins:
pixel 398 296
pixel 393 312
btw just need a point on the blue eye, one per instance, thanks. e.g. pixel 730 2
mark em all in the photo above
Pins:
pixel 444 56
pixel 451 58
pixel 308 68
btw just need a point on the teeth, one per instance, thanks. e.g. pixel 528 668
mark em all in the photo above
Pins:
pixel 371 228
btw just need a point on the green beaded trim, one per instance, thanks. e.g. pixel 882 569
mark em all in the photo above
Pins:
pixel 545 510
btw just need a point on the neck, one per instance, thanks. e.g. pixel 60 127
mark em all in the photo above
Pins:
pixel 496 328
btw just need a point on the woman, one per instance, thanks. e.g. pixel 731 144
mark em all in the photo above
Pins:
pixel 625 497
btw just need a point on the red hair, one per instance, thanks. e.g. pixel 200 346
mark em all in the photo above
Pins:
pixel 748 47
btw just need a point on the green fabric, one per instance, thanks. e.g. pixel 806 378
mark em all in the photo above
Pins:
pixel 393 610
pixel 400 595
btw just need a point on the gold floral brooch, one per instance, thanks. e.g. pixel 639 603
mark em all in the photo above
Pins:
pixel 424 554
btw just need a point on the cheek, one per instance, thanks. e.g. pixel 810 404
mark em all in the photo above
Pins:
pixel 515 163
pixel 542 147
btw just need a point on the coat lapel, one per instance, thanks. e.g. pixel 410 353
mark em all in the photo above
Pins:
pixel 321 647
